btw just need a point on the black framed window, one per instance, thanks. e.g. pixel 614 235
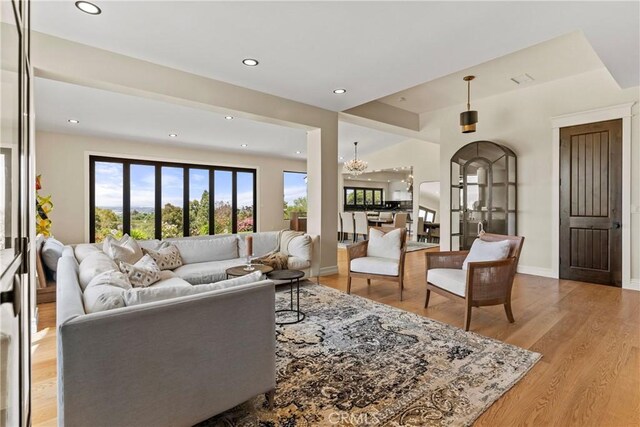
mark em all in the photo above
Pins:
pixel 361 198
pixel 429 215
pixel 149 199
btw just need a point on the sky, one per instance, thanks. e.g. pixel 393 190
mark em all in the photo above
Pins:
pixel 294 186
pixel 109 182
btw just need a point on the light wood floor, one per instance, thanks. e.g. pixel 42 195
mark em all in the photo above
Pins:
pixel 589 336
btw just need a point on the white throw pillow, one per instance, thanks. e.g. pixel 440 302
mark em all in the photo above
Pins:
pixel 385 245
pixel 145 295
pixel 92 265
pixel 167 256
pixel 487 251
pixel 300 246
pixel 143 273
pixel 124 250
pixel 105 291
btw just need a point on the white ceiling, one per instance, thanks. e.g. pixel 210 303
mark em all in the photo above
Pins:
pixel 373 49
pixel 561 57
pixel 115 115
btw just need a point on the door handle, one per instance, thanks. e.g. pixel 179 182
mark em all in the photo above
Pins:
pixel 12 296
pixel 615 225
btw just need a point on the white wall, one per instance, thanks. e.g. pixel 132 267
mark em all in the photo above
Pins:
pixel 63 162
pixel 521 120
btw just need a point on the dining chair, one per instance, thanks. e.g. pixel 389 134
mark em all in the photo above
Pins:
pixel 386 216
pixel 399 221
pixel 361 225
pixel 347 225
pixel 420 231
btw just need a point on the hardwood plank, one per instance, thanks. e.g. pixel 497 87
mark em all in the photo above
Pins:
pixel 588 336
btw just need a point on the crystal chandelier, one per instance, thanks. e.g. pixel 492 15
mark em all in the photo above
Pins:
pixel 355 166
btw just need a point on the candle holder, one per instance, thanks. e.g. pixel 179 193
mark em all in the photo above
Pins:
pixel 249 266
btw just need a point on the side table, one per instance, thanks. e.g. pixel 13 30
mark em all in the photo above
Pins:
pixel 291 276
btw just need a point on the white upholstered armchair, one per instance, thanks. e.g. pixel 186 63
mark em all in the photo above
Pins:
pixel 484 277
pixel 381 257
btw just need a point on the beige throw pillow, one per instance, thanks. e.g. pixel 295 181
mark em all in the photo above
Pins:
pixel 106 291
pixel 167 256
pixel 143 273
pixel 124 250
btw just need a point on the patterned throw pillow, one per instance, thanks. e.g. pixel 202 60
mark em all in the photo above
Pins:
pixel 167 256
pixel 143 273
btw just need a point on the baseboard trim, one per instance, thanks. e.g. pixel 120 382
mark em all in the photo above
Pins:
pixel 327 271
pixel 536 271
pixel 634 285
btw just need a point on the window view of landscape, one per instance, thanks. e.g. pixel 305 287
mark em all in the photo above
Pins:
pixel 244 197
pixel 295 193
pixel 198 202
pixel 108 199
pixel 109 196
pixel 143 178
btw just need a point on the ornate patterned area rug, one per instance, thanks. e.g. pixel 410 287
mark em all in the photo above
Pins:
pixel 354 362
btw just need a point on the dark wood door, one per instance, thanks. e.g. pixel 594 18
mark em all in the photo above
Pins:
pixel 591 202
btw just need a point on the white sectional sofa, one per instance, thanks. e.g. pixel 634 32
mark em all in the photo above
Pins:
pixel 172 362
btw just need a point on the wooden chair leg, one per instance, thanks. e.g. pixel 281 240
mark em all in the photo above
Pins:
pixel 467 318
pixel 507 309
pixel 271 395
pixel 369 282
pixel 349 284
pixel 426 301
pixel 401 289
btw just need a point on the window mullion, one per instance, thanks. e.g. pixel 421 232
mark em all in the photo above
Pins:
pixel 126 196
pixel 212 178
pixel 158 202
pixel 185 202
pixel 234 202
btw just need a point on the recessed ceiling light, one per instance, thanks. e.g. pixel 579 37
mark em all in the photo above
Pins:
pixel 243 145
pixel 297 152
pixel 339 91
pixel 368 179
pixel 89 8
pixel 173 135
pixel 73 121
pixel 228 117
pixel 249 62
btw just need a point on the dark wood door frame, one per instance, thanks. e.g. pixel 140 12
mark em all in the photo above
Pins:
pixel 591 202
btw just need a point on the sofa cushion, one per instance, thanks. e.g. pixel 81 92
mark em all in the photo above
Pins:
pixel 208 249
pixel 487 251
pixel 452 280
pixel 143 273
pixel 105 291
pixel 301 246
pixel 297 263
pixel 94 264
pixel 83 250
pixel 51 253
pixel 124 250
pixel 384 245
pixel 167 256
pixel 263 243
pixel 154 293
pixel 149 244
pixel 207 272
pixel 375 265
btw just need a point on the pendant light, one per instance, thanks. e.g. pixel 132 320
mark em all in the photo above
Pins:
pixel 469 118
pixel 355 166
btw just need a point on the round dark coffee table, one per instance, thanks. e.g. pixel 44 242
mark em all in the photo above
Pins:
pixel 240 270
pixel 291 276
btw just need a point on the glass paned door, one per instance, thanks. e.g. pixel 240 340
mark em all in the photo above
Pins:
pixel 15 216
